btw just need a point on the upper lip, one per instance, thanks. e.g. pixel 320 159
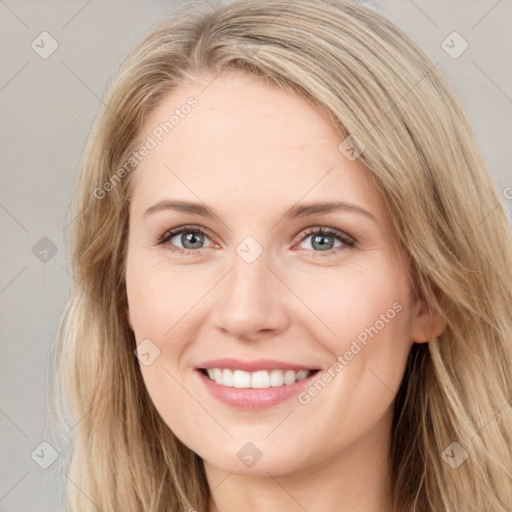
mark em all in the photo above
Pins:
pixel 254 365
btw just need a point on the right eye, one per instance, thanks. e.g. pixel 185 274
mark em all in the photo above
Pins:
pixel 191 238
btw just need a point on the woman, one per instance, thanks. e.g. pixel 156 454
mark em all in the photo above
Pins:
pixel 292 276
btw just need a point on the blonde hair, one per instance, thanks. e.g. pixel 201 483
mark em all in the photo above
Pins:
pixel 373 82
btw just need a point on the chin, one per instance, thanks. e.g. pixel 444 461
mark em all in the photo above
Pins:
pixel 258 459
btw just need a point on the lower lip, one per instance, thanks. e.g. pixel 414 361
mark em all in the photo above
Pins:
pixel 249 398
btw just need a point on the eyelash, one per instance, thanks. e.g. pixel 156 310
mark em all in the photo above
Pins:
pixel 348 241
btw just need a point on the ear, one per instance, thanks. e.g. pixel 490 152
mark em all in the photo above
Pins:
pixel 426 324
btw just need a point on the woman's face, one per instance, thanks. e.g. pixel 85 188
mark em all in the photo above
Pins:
pixel 306 335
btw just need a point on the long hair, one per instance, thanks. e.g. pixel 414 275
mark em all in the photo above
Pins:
pixel 451 444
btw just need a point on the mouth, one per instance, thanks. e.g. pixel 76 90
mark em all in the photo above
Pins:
pixel 261 379
pixel 254 384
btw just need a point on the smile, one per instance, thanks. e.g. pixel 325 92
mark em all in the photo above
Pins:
pixel 261 379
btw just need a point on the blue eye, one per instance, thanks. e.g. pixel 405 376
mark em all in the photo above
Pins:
pixel 191 238
pixel 323 240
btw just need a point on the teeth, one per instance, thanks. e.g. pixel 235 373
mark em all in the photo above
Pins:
pixel 241 379
pixel 302 374
pixel 289 377
pixel 261 379
pixel 276 378
pixel 227 378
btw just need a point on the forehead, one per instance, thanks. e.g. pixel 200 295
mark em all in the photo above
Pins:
pixel 247 140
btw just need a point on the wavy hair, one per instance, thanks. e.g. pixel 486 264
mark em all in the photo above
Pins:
pixel 371 81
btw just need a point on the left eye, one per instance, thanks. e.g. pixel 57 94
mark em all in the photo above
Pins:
pixel 324 239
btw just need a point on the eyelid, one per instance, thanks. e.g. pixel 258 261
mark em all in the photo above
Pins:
pixel 170 233
pixel 347 240
pixel 328 231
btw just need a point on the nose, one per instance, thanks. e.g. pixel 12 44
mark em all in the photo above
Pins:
pixel 251 301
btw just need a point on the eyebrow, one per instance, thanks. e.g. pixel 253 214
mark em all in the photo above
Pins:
pixel 302 210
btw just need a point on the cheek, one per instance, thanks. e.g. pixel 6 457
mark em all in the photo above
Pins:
pixel 360 301
pixel 365 326
pixel 176 406
pixel 160 294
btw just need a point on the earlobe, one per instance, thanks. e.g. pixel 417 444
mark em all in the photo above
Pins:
pixel 427 324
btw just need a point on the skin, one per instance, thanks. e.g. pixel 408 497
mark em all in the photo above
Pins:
pixel 251 151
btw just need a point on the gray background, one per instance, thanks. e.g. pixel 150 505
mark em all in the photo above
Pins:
pixel 47 109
